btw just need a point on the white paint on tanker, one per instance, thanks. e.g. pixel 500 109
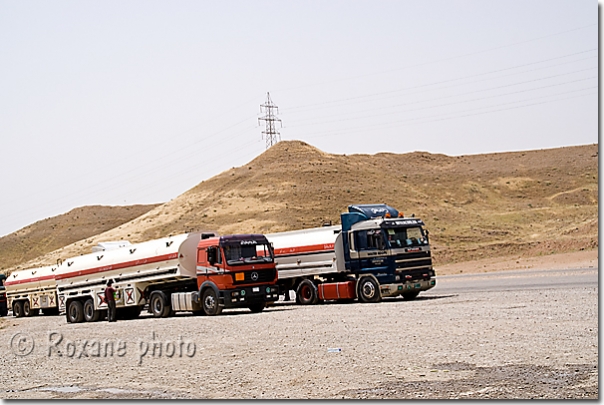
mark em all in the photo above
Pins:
pixel 151 258
pixel 308 252
pixel 36 286
pixel 103 246
pixel 31 280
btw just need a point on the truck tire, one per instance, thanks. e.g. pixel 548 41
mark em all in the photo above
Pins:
pixel 307 294
pixel 18 309
pixel 259 307
pixel 75 312
pixel 368 289
pixel 210 303
pixel 159 306
pixel 27 311
pixel 90 314
pixel 411 295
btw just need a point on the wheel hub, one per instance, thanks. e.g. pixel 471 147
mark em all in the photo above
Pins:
pixel 368 289
pixel 210 302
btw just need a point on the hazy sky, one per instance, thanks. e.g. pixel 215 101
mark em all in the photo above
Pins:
pixel 128 102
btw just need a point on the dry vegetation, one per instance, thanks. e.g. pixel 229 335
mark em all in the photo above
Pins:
pixel 529 203
pixel 53 233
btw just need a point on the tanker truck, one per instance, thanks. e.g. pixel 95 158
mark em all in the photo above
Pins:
pixel 197 272
pixel 31 290
pixel 376 252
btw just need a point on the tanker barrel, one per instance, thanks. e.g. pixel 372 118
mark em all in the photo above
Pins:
pixel 187 252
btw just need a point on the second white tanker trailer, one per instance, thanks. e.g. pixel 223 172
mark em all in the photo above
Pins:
pixel 31 290
pixel 375 253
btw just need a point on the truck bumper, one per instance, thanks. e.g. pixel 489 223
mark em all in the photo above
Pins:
pixel 392 290
pixel 244 296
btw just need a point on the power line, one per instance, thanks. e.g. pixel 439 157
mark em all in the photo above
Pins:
pixel 436 118
pixel 357 117
pixel 444 59
pixel 360 98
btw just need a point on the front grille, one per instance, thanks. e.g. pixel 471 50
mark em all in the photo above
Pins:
pixel 263 276
pixel 413 255
pixel 413 264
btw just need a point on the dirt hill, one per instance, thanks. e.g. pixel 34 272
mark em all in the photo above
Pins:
pixel 532 203
pixel 53 233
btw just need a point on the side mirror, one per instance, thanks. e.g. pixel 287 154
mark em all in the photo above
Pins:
pixel 211 255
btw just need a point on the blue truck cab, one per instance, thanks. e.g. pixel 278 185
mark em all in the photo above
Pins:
pixel 379 241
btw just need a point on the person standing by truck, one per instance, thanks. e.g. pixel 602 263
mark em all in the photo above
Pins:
pixel 110 299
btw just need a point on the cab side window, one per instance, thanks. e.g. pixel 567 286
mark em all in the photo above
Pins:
pixel 371 239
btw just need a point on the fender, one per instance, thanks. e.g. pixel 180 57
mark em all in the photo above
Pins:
pixel 209 284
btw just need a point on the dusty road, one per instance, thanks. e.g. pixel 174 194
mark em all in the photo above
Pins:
pixel 469 337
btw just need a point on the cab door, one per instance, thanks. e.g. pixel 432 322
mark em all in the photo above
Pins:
pixel 372 252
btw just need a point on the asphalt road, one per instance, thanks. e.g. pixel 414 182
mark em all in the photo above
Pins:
pixel 520 280
pixel 504 335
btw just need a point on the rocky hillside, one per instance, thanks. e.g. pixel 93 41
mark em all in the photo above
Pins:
pixel 533 203
pixel 53 233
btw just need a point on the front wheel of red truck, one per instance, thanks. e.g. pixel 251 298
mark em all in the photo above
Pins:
pixel 210 302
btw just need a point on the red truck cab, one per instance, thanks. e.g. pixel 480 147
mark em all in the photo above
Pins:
pixel 236 271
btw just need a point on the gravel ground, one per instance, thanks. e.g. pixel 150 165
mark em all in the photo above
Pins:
pixel 509 344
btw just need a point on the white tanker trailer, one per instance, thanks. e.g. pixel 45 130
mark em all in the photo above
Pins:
pixel 138 270
pixel 31 290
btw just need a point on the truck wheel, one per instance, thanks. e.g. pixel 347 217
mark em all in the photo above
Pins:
pixel 27 312
pixel 368 289
pixel 159 305
pixel 257 307
pixel 18 309
pixel 411 295
pixel 306 294
pixel 90 314
pixel 75 312
pixel 210 303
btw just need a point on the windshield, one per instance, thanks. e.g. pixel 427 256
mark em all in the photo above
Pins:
pixel 240 253
pixel 404 237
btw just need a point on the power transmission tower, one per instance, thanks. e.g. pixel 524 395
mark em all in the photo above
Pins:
pixel 270 119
